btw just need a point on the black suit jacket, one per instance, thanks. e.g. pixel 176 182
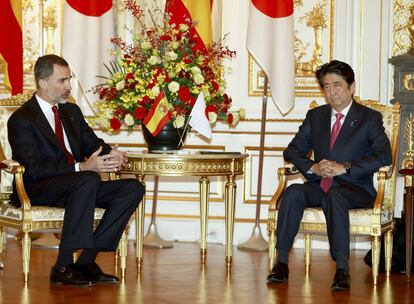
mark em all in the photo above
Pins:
pixel 35 146
pixel 362 142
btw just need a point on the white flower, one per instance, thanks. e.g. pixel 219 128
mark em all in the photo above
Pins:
pixel 212 117
pixel 198 78
pixel 155 90
pixel 242 113
pixel 120 85
pixel 153 60
pixel 236 119
pixel 173 86
pixel 195 70
pixel 183 27
pixel 175 45
pixel 146 45
pixel 171 56
pixel 179 121
pixel 129 120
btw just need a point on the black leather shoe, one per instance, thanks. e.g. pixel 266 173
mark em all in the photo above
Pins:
pixel 342 280
pixel 69 275
pixel 279 273
pixel 93 272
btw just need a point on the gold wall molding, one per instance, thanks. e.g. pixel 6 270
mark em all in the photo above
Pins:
pixel 402 39
pixel 408 82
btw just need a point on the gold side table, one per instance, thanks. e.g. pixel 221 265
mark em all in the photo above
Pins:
pixel 203 165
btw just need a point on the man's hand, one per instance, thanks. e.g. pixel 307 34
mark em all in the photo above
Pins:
pixel 119 155
pixel 103 163
pixel 330 168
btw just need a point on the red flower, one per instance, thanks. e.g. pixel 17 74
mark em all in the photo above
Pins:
pixel 145 101
pixel 211 108
pixel 140 113
pixel 230 118
pixel 115 123
pixel 165 37
pixel 215 85
pixel 120 112
pixel 184 94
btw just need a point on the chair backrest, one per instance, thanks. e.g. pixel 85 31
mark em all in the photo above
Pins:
pixel 7 106
pixel 391 121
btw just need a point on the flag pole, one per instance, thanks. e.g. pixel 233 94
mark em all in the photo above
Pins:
pixel 152 238
pixel 256 242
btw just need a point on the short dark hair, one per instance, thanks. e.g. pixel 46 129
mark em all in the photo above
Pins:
pixel 335 67
pixel 43 67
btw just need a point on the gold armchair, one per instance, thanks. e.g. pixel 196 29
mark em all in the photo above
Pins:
pixel 372 222
pixel 27 218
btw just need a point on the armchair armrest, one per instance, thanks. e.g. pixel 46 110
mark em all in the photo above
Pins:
pixel 383 174
pixel 13 167
pixel 282 173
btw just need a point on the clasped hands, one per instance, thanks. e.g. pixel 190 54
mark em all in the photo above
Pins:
pixel 110 162
pixel 328 168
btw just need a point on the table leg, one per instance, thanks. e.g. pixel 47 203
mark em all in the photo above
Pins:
pixel 230 203
pixel 408 230
pixel 139 224
pixel 204 194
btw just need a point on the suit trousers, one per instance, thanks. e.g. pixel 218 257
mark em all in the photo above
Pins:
pixel 335 204
pixel 80 193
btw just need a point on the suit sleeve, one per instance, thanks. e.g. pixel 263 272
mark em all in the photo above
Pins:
pixel 380 150
pixel 299 149
pixel 26 149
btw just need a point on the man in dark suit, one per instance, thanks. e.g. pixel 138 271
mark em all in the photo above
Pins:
pixel 62 157
pixel 349 145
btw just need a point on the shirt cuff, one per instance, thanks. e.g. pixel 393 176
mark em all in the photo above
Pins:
pixel 77 169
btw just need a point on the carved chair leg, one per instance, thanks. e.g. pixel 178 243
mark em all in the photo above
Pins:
pixel 26 243
pixel 123 249
pixel 308 252
pixel 376 250
pixel 2 240
pixel 272 249
pixel 388 251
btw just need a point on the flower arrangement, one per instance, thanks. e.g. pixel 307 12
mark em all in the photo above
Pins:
pixel 163 58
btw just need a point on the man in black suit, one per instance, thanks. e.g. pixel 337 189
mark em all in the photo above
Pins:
pixel 349 145
pixel 62 157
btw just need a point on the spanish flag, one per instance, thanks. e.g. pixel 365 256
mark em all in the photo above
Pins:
pixel 197 10
pixel 11 44
pixel 158 116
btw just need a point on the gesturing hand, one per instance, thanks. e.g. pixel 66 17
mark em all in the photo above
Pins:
pixel 103 163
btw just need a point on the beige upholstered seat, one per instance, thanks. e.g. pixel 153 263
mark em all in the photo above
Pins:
pixel 373 222
pixel 28 219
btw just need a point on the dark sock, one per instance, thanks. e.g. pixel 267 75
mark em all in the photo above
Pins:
pixel 283 256
pixel 65 257
pixel 342 262
pixel 87 256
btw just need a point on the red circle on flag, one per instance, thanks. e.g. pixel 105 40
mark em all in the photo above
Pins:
pixel 94 8
pixel 275 8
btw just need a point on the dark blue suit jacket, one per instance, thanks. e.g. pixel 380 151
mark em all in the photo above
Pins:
pixel 362 142
pixel 35 146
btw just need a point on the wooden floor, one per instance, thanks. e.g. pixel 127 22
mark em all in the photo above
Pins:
pixel 176 276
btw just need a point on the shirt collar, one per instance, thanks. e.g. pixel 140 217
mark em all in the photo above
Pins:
pixel 44 105
pixel 344 111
